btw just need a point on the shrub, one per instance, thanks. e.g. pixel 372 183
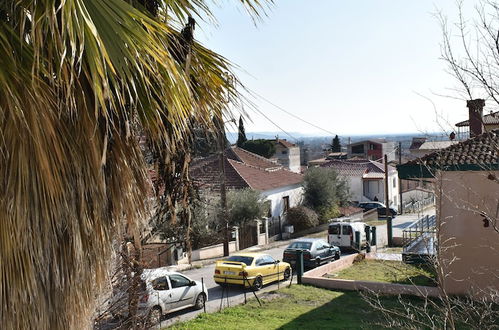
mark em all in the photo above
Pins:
pixel 302 217
pixel 260 147
pixel 324 191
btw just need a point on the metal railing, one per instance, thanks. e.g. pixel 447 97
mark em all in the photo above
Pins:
pixel 418 206
pixel 419 237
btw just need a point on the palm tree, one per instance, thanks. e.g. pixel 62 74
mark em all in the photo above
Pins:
pixel 80 82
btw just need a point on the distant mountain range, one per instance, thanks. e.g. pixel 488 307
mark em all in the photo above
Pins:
pixel 296 136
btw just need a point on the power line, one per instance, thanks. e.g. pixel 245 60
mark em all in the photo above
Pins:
pixel 293 115
pixel 260 112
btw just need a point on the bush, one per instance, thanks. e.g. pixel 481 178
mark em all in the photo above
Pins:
pixel 262 147
pixel 324 191
pixel 302 218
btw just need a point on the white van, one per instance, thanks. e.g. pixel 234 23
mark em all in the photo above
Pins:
pixel 342 234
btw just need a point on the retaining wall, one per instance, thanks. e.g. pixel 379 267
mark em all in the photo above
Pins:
pixel 315 277
pixel 212 251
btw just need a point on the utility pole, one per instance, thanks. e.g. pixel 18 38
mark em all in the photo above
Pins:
pixel 387 204
pixel 401 208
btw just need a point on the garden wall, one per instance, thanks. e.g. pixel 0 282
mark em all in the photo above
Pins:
pixel 316 278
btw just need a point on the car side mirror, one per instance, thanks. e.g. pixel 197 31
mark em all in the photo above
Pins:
pixel 277 261
pixel 192 283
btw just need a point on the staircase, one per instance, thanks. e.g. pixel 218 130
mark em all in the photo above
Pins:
pixel 419 241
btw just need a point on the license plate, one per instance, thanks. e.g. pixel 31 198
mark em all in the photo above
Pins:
pixel 228 272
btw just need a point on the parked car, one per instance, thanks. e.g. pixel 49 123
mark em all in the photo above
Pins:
pixel 163 292
pixel 380 207
pixel 251 270
pixel 342 234
pixel 315 252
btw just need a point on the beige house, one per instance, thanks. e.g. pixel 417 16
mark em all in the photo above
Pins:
pixel 465 177
pixel 287 154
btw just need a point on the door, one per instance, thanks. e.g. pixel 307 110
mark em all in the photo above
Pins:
pixel 162 294
pixel 334 237
pixel 346 235
pixel 183 294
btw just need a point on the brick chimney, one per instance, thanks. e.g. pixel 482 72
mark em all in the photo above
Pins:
pixel 475 109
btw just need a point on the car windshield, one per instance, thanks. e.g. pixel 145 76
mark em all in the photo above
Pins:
pixel 246 260
pixel 300 245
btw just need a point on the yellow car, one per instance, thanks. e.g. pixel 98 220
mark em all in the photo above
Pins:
pixel 252 270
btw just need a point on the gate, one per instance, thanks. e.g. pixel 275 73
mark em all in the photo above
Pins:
pixel 248 236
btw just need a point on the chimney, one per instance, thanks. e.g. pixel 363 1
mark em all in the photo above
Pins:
pixel 475 109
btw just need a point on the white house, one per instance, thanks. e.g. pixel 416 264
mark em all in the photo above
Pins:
pixel 366 179
pixel 243 169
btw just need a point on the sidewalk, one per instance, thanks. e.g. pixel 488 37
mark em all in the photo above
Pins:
pixel 255 248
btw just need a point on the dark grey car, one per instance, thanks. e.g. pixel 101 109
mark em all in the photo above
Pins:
pixel 315 252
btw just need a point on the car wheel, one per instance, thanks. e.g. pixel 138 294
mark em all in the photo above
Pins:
pixel 154 316
pixel 258 283
pixel 317 262
pixel 337 256
pixel 287 274
pixel 200 301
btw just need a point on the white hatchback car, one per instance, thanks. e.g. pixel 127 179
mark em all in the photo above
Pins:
pixel 167 292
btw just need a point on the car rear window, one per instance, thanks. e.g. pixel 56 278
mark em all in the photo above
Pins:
pixel 334 229
pixel 300 245
pixel 246 260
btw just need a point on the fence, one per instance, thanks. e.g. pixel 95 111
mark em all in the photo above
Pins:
pixel 419 237
pixel 418 206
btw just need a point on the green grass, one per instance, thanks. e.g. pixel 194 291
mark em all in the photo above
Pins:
pixel 298 307
pixel 386 271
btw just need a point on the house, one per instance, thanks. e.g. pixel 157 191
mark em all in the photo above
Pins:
pixel 366 179
pixel 489 122
pixel 420 147
pixel 465 179
pixel 243 169
pixel 287 154
pixel 373 149
pixel 330 156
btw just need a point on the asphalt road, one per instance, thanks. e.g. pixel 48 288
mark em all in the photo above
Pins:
pixel 236 295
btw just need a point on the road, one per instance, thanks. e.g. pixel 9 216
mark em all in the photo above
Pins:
pixel 236 294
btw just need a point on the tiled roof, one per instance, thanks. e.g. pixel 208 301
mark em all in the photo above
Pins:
pixel 482 149
pixel 478 153
pixel 367 169
pixel 285 143
pixel 244 156
pixel 490 119
pixel 242 172
pixel 260 179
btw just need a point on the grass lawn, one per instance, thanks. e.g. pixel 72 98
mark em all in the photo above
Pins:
pixel 386 271
pixel 298 307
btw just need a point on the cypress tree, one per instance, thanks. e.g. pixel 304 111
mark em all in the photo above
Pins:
pixel 241 137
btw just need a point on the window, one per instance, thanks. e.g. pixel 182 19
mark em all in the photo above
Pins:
pixel 300 245
pixel 285 202
pixel 245 260
pixel 347 230
pixel 179 281
pixel 160 283
pixel 334 229
pixel 265 260
pixel 394 182
pixel 359 149
pixel 284 152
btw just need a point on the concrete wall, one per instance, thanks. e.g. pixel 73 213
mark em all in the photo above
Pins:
pixel 295 193
pixel 356 188
pixel 469 252
pixel 288 157
pixel 212 251
pixel 315 277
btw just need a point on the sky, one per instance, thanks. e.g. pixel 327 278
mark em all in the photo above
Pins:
pixel 348 67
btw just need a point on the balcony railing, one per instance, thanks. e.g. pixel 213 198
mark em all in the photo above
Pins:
pixel 419 238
